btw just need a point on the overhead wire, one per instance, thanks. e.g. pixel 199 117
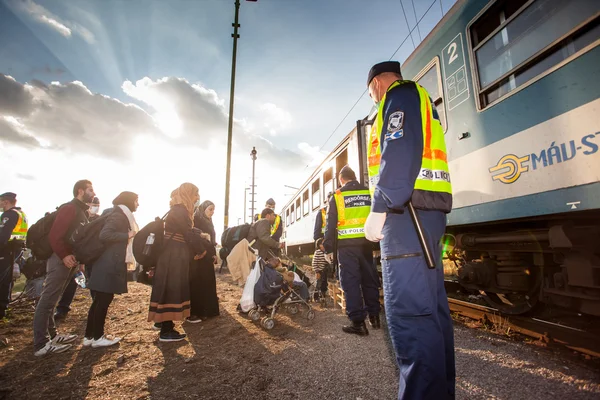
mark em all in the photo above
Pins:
pixel 415 12
pixel 365 91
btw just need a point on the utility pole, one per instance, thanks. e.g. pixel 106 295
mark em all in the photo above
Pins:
pixel 235 36
pixel 253 155
pixel 245 204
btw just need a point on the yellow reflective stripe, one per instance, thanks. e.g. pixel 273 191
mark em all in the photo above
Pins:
pixel 351 221
pixel 275 225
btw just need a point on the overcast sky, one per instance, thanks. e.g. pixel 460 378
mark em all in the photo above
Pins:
pixel 134 95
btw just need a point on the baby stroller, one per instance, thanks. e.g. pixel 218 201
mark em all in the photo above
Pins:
pixel 271 293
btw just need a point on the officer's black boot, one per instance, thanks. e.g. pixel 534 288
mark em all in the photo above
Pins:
pixel 374 321
pixel 357 328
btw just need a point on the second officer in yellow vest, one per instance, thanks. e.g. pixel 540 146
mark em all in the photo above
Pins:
pixel 347 212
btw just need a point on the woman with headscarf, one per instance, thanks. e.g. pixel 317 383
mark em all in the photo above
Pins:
pixel 203 283
pixel 170 299
pixel 109 272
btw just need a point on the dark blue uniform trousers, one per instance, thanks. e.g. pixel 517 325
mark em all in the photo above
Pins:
pixel 6 267
pixel 360 282
pixel 416 307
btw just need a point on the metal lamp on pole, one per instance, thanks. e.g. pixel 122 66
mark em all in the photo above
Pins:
pixel 235 36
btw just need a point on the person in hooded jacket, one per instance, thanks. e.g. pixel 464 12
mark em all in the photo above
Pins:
pixel 109 272
pixel 203 282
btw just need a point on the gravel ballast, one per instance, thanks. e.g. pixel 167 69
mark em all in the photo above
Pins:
pixel 231 357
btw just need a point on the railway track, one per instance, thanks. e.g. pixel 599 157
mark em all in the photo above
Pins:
pixel 545 331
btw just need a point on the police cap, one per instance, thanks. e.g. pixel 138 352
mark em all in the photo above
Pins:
pixel 8 196
pixel 270 202
pixel 386 66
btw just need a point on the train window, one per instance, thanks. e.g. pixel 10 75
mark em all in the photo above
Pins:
pixel 515 42
pixel 431 79
pixel 305 203
pixel 292 219
pixel 316 192
pixel 328 183
pixel 287 217
pixel 298 209
pixel 340 161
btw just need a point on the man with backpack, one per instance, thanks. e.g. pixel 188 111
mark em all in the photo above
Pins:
pixel 13 232
pixel 261 232
pixel 64 305
pixel 60 269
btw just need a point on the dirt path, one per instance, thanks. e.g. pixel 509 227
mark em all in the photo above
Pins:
pixel 229 357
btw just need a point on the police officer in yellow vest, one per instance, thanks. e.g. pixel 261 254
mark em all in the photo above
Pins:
pixel 13 233
pixel 276 228
pixel 407 162
pixel 347 212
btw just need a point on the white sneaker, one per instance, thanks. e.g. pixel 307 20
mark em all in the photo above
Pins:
pixel 105 342
pixel 64 339
pixel 51 347
pixel 87 342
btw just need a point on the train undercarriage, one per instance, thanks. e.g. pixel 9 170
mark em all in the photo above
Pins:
pixel 520 266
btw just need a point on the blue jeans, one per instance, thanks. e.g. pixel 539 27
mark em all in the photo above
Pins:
pixel 416 307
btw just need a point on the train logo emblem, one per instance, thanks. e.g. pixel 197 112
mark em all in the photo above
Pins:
pixel 509 168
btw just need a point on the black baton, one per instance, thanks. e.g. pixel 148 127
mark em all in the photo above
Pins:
pixel 421 235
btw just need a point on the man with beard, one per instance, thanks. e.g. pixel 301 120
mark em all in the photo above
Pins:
pixel 60 269
pixel 64 305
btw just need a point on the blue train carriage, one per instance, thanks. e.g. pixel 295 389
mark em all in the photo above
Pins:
pixel 516 84
pixel 299 213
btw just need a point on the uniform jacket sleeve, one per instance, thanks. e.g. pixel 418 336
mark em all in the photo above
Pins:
pixel 116 228
pixel 318 225
pixel 8 221
pixel 263 231
pixel 331 226
pixel 57 236
pixel 401 153
pixel 277 235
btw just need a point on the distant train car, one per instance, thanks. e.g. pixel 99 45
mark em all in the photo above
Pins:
pixel 517 86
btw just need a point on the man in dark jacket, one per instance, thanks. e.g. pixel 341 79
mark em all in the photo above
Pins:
pixel 260 232
pixel 64 305
pixel 60 269
pixel 13 233
pixel 346 215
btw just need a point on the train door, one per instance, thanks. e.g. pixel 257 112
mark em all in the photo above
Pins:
pixel 363 131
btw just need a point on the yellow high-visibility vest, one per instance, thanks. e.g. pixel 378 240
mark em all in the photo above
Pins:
pixel 434 177
pixel 20 230
pixel 275 225
pixel 353 208
pixel 324 222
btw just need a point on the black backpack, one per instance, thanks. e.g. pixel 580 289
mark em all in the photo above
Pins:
pixel 37 236
pixel 234 235
pixel 139 242
pixel 86 243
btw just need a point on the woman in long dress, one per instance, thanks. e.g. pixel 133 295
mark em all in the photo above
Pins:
pixel 170 299
pixel 203 283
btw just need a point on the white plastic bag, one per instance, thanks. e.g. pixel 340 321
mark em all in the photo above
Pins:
pixel 247 300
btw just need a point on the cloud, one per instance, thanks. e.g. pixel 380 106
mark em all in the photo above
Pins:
pixel 15 99
pixel 12 132
pixel 26 177
pixel 277 118
pixel 45 17
pixel 71 118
